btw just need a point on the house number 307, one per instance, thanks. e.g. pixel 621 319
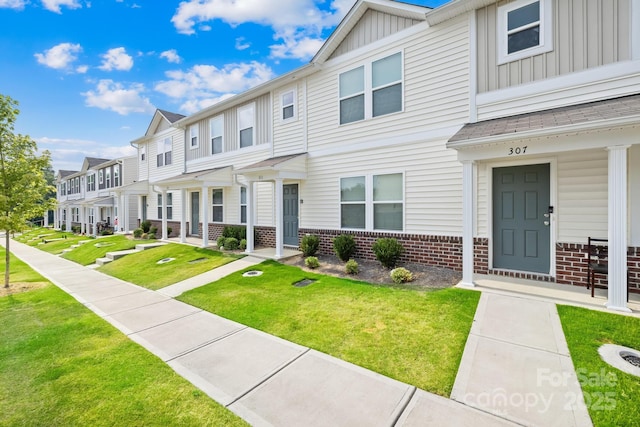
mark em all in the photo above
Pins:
pixel 517 150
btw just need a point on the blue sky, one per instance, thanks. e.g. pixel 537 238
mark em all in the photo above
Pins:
pixel 89 74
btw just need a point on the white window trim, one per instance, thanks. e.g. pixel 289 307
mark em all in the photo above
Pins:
pixel 546 31
pixel 213 205
pixel 294 104
pixel 368 87
pixel 251 105
pixel 369 202
pixel 194 129
pixel 211 136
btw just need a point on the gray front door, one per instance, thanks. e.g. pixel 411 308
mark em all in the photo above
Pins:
pixel 521 230
pixel 290 213
pixel 195 213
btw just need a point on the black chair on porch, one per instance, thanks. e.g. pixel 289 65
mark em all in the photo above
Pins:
pixel 598 263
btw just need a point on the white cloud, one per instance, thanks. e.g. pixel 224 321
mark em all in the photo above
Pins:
pixel 110 95
pixel 68 153
pixel 12 4
pixel 242 43
pixel 302 20
pixel 116 59
pixel 207 84
pixel 171 56
pixel 60 56
pixel 82 69
pixel 54 5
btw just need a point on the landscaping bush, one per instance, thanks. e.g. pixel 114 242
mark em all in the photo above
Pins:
pixel 243 244
pixel 63 227
pixel 387 251
pixel 310 245
pixel 312 262
pixel 75 229
pixel 231 244
pixel 145 225
pixel 151 236
pixel 351 267
pixel 137 233
pixel 153 230
pixel 169 230
pixel 344 246
pixel 220 241
pixel 106 233
pixel 238 232
pixel 401 275
pixel 145 236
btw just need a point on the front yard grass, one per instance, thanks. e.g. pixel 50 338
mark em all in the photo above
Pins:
pixel 61 365
pixel 51 241
pixel 88 252
pixel 413 336
pixel 610 394
pixel 143 269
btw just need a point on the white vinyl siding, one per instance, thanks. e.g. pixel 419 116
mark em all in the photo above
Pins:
pixel 265 199
pixel 143 153
pixel 290 134
pixel 216 131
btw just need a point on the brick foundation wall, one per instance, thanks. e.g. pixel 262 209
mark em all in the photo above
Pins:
pixel 175 227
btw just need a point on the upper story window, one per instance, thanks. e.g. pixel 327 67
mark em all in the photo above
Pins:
pixel 101 177
pixel 116 176
pixel 371 90
pixel 143 153
pixel 246 119
pixel 165 148
pixel 63 189
pixel 288 104
pixel 524 29
pixel 91 182
pixel 193 135
pixel 216 128
pixel 108 174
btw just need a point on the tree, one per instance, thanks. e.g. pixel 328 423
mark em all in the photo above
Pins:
pixel 23 185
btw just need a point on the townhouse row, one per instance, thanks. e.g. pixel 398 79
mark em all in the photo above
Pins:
pixel 492 137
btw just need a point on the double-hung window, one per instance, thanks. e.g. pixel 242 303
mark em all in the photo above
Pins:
pixel 165 148
pixel 246 122
pixel 91 182
pixel 91 215
pixel 216 130
pixel 288 105
pixel 159 206
pixel 193 135
pixel 372 90
pixel 116 176
pixel 243 205
pixel 218 208
pixel 101 177
pixel 524 29
pixel 169 206
pixel 372 202
pixel 108 174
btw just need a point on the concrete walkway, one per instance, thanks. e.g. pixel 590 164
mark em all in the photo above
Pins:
pixel 514 344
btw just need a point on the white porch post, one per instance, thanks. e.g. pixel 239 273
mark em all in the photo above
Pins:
pixel 468 215
pixel 68 222
pixel 125 213
pixel 279 219
pixel 45 218
pixel 183 216
pixel 82 219
pixel 205 216
pixel 250 242
pixel 164 214
pixel 55 217
pixel 617 291
pixel 96 210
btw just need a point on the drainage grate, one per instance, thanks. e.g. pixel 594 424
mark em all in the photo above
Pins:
pixel 252 273
pixel 303 283
pixel 165 260
pixel 630 358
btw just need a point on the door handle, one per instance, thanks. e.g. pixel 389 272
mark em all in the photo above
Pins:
pixel 546 223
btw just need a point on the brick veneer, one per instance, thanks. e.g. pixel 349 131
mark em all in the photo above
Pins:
pixel 175 227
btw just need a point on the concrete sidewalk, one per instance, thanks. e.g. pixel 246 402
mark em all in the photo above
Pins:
pixel 269 381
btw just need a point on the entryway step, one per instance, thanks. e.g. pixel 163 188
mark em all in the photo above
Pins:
pixel 119 254
pixel 103 261
pixel 145 246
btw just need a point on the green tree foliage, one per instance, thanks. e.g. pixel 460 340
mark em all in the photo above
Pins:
pixel 23 183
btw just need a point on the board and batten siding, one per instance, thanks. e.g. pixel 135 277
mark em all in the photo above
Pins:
pixel 262 129
pixel 432 178
pixel 289 135
pixel 436 88
pixel 586 34
pixel 373 26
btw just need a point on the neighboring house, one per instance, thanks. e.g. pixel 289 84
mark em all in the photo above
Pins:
pixel 490 137
pixel 91 199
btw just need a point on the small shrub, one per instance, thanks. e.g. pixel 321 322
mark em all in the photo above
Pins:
pixel 63 227
pixel 231 244
pixel 153 230
pixel 106 233
pixel 137 233
pixel 401 275
pixel 310 245
pixel 75 229
pixel 238 232
pixel 152 236
pixel 387 251
pixel 243 244
pixel 145 225
pixel 220 241
pixel 145 236
pixel 169 230
pixel 344 246
pixel 351 267
pixel 312 262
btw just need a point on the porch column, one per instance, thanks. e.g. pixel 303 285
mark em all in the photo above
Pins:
pixel 55 217
pixel 164 214
pixel 117 213
pixel 96 210
pixel 82 219
pixel 617 292
pixel 250 242
pixel 205 216
pixel 45 218
pixel 183 216
pixel 68 222
pixel 468 215
pixel 279 219
pixel 125 213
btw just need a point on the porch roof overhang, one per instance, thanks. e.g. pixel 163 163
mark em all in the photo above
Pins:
pixel 598 116
pixel 100 201
pixel 139 188
pixel 216 177
pixel 292 166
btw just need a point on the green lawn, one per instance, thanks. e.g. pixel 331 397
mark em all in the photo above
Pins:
pixel 20 272
pixel 61 365
pixel 88 252
pixel 612 396
pixel 412 336
pixel 143 270
pixel 51 241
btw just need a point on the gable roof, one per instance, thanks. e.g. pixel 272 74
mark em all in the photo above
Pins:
pixel 92 162
pixel 65 173
pixel 171 117
pixel 358 10
pixel 589 115
pixel 159 116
